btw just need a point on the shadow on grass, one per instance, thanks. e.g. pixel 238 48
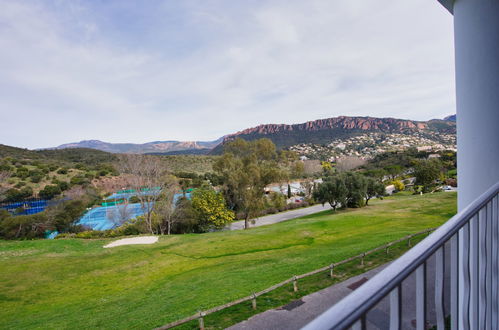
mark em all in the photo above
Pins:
pixel 285 295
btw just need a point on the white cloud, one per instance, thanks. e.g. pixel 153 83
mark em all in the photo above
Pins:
pixel 204 69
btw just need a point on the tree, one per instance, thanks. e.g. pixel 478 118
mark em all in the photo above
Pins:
pixel 326 167
pixel 333 191
pixel 348 163
pixel 394 171
pixel 184 217
pixel 164 209
pixel 289 191
pixel 357 188
pixel 246 168
pixel 15 195
pixel 63 215
pixel 211 209
pixel 119 214
pixel 49 192
pixel 374 189
pixel 399 185
pixel 426 172
pixel 146 176
pixel 277 200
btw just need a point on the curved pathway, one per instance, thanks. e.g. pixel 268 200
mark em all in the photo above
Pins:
pixel 279 217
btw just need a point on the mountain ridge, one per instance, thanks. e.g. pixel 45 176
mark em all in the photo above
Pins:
pixel 143 148
pixel 323 130
pixel 283 135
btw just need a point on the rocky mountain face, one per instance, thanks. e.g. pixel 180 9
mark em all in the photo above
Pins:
pixel 324 130
pixel 346 123
pixel 320 131
pixel 156 147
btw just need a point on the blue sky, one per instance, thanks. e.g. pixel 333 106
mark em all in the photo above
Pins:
pixel 140 71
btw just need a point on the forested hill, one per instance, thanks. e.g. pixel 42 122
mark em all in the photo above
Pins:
pixel 78 155
pixel 324 130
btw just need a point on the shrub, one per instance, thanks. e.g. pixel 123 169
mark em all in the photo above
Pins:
pixel 63 170
pixel 24 226
pixel 20 184
pixel 79 180
pixel 49 192
pixel 134 199
pixel 272 210
pixel 15 195
pixel 63 185
pixel 22 172
pixel 36 176
pixel 80 166
pixel 64 214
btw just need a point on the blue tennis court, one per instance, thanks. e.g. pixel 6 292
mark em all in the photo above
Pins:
pixel 103 218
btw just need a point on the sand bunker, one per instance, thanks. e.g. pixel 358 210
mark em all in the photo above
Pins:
pixel 133 241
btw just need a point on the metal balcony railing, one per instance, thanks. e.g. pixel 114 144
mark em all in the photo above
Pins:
pixel 466 289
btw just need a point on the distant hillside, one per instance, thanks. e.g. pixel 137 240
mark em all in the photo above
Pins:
pixel 450 118
pixel 78 155
pixel 156 147
pixel 324 130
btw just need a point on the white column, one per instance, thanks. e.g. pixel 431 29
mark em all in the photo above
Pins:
pixel 476 29
pixel 476 32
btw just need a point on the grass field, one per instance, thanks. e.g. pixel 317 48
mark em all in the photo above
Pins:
pixel 78 284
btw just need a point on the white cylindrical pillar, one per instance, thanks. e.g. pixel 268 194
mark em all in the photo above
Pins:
pixel 476 30
pixel 476 34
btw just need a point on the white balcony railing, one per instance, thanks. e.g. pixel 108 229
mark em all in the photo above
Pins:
pixel 466 289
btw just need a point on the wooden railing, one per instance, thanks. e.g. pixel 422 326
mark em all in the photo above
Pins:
pixel 294 280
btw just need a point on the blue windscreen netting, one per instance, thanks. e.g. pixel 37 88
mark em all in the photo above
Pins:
pixel 26 207
pixel 108 217
pixel 114 215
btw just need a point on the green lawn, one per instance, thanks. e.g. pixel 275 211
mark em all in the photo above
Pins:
pixel 78 284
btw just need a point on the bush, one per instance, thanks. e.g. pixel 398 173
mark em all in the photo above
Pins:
pixel 272 210
pixel 22 172
pixel 63 170
pixel 80 166
pixel 63 185
pixel 79 180
pixel 36 176
pixel 24 226
pixel 134 199
pixel 89 175
pixel 49 192
pixel 20 184
pixel 15 195
pixel 64 214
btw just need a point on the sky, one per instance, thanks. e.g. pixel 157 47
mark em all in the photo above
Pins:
pixel 141 71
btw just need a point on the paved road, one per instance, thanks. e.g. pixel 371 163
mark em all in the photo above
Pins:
pixel 300 312
pixel 275 218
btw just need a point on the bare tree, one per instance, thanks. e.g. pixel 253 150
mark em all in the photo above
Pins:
pixel 75 192
pixel 146 175
pixel 119 214
pixel 349 163
pixel 164 208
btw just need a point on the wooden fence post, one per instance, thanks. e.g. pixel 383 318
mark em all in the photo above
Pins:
pixel 331 268
pixel 253 301
pixel 387 248
pixel 409 242
pixel 295 284
pixel 201 320
pixel 362 259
